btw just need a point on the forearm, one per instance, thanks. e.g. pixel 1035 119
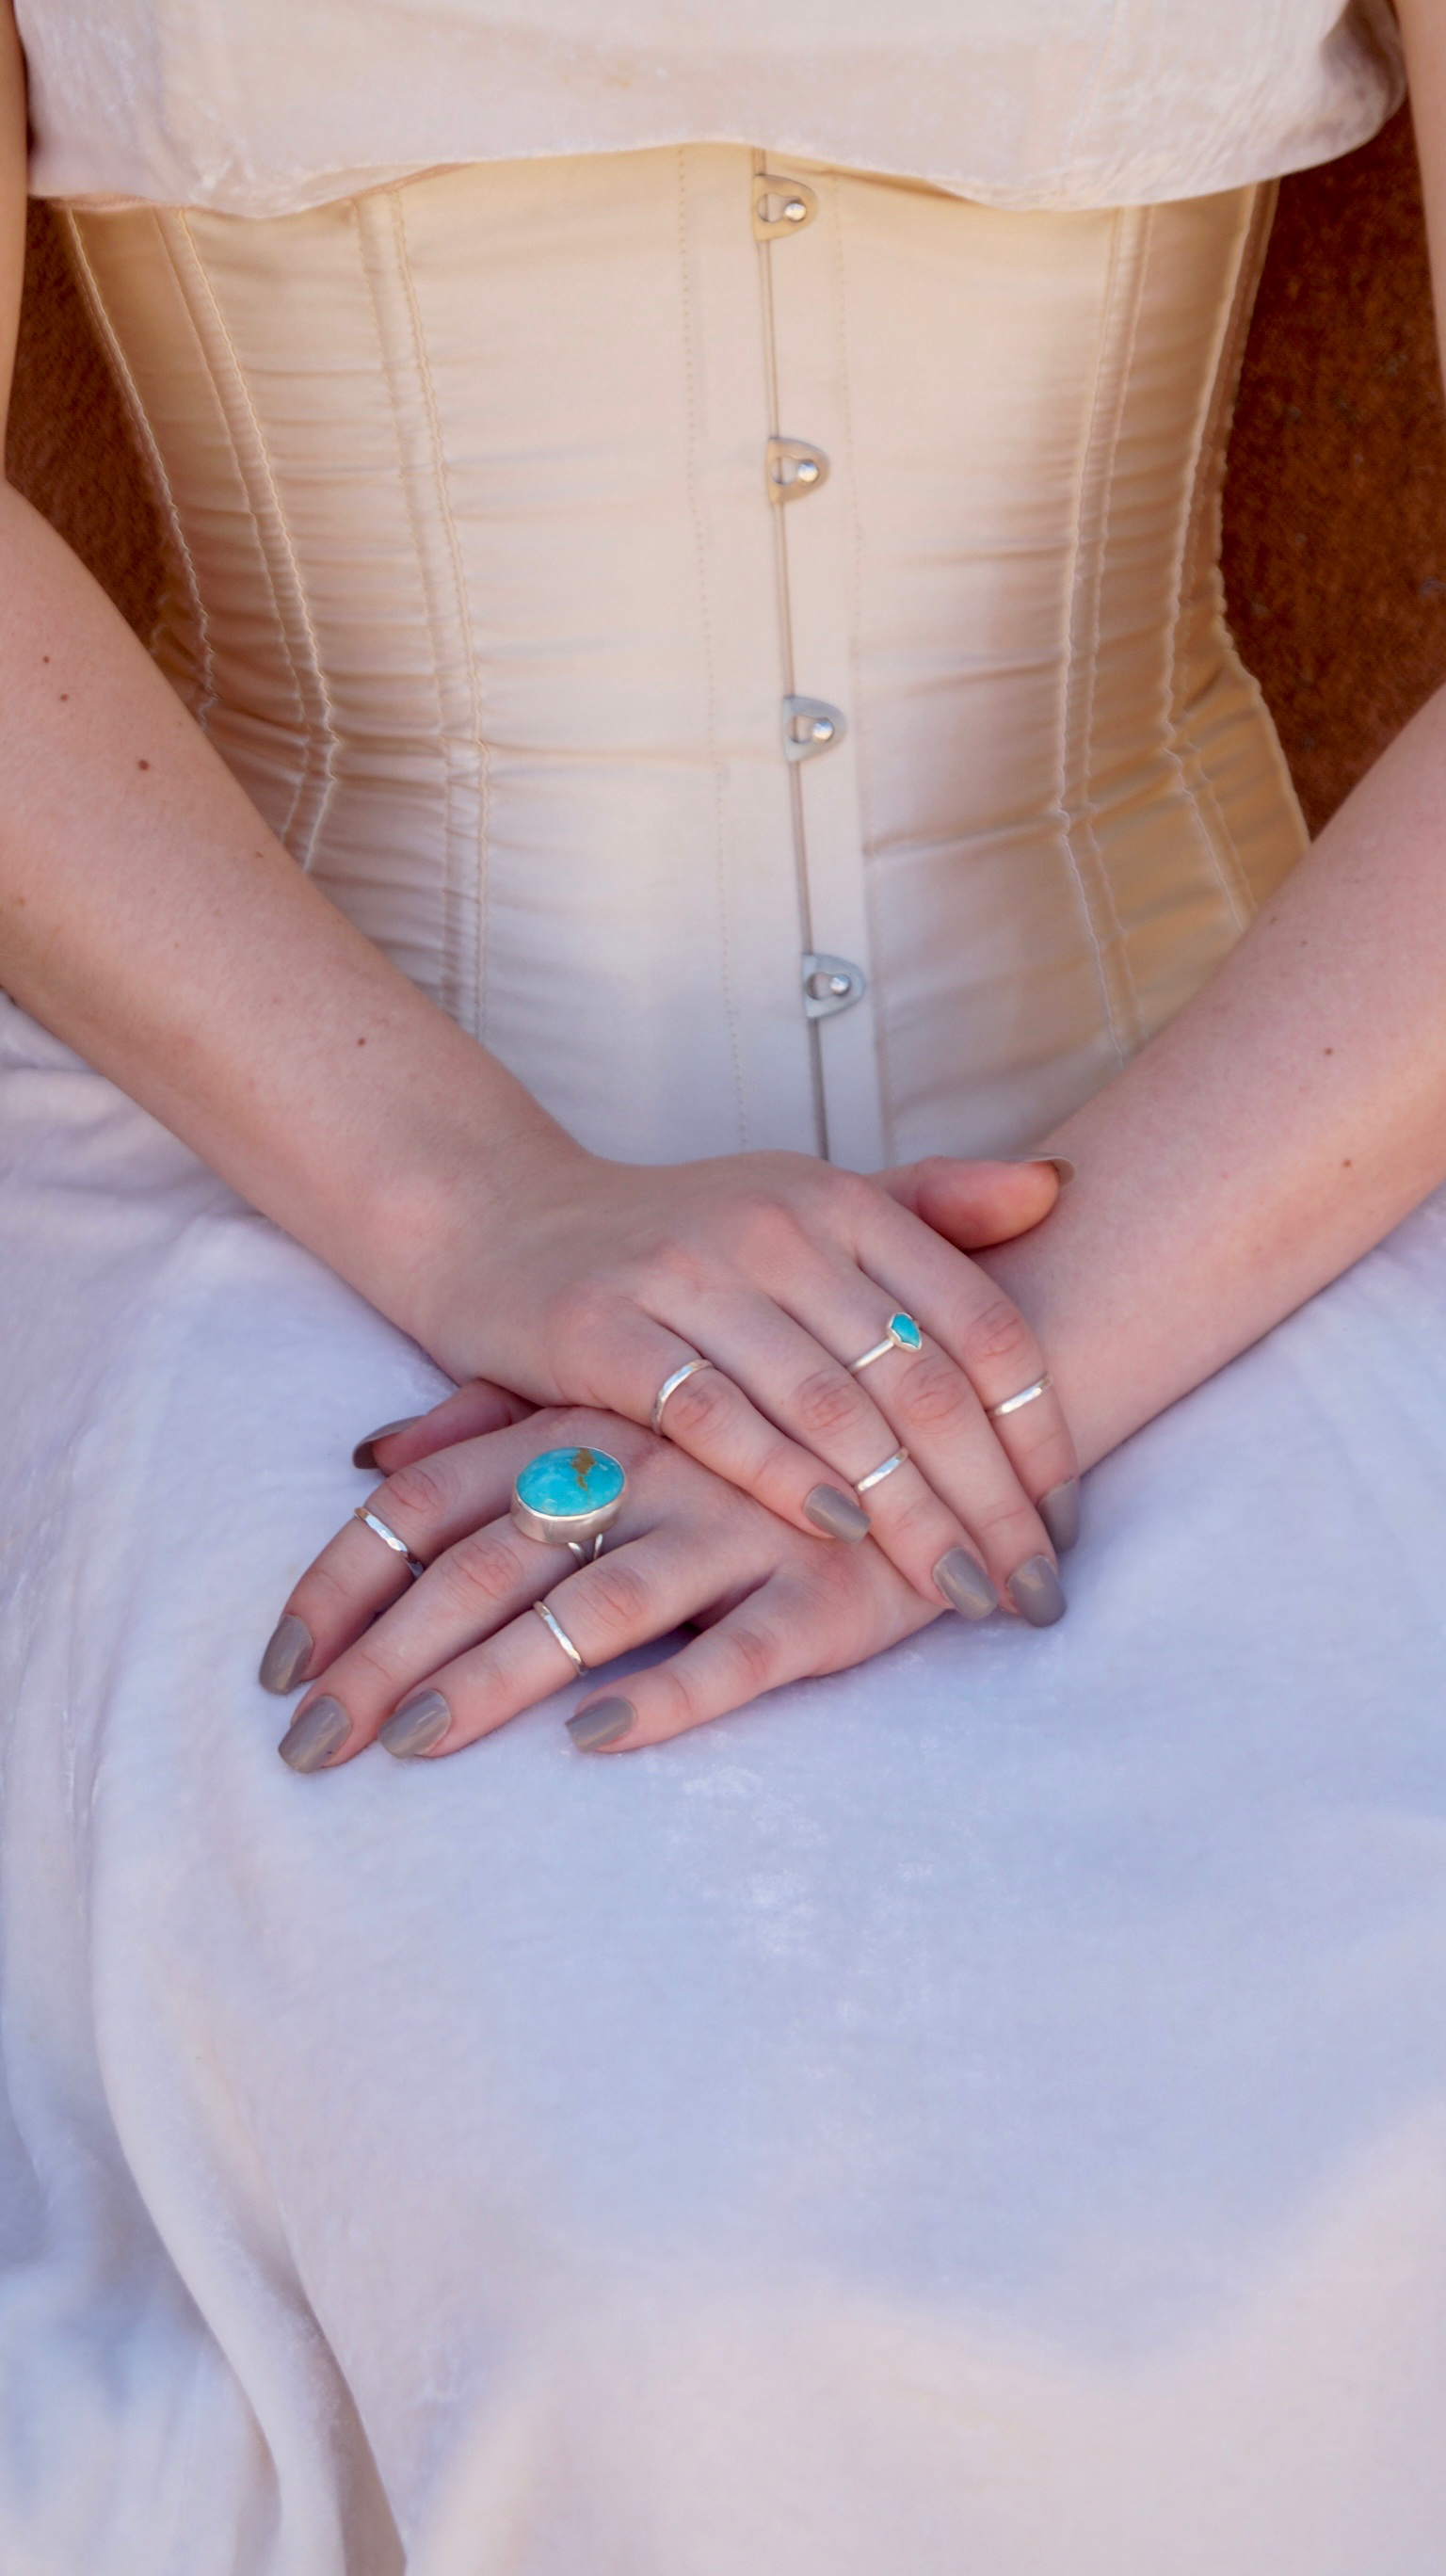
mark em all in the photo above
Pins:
pixel 1292 1114
pixel 149 918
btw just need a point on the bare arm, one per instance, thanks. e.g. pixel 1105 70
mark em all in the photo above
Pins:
pixel 150 919
pixel 1297 1108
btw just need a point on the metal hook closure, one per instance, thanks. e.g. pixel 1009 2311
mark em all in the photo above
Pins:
pixel 781 206
pixel 811 725
pixel 794 469
pixel 831 984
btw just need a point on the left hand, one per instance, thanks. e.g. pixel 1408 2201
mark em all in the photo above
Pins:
pixel 453 1655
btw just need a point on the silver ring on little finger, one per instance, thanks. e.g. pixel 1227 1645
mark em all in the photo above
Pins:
pixel 570 1498
pixel 390 1539
pixel 1012 1403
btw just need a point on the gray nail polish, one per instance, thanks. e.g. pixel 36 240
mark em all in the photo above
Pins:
pixel 1035 1592
pixel 1062 1164
pixel 836 1514
pixel 606 1722
pixel 965 1585
pixel 286 1656
pixel 1059 1511
pixel 365 1452
pixel 419 1723
pixel 319 1732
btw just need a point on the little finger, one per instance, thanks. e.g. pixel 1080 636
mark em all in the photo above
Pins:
pixel 787 1629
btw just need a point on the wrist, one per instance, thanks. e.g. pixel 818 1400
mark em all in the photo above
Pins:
pixel 465 1209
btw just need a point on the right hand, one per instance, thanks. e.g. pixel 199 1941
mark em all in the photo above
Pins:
pixel 593 1282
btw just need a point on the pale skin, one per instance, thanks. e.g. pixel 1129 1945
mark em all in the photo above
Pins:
pixel 1290 1115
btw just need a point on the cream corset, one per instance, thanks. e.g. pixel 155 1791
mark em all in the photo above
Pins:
pixel 880 788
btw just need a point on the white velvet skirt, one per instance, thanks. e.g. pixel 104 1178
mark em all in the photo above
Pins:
pixel 982 2113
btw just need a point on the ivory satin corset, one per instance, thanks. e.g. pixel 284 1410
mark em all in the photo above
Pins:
pixel 747 640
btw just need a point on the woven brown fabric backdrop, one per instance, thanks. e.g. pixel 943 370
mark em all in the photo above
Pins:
pixel 1335 502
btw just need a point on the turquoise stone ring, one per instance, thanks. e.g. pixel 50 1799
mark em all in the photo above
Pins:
pixel 568 1497
pixel 901 1333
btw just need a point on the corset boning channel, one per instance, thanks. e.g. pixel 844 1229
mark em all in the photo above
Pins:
pixel 746 637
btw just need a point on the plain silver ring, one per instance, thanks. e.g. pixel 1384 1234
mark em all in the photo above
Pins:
pixel 555 1627
pixel 877 1475
pixel 1012 1403
pixel 670 1386
pixel 390 1539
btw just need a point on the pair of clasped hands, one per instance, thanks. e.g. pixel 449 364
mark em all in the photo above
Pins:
pixel 744 1519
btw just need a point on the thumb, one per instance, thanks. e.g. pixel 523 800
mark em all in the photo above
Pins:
pixel 976 1204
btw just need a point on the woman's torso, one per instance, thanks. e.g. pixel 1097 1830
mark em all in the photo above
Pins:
pixel 483 593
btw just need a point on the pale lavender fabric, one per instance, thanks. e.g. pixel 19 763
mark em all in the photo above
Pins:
pixel 983 2113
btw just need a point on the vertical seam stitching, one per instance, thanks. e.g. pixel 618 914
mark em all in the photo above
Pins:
pixel 100 314
pixel 474 678
pixel 1146 218
pixel 284 531
pixel 364 239
pixel 715 766
pixel 861 731
pixel 1195 779
pixel 1073 682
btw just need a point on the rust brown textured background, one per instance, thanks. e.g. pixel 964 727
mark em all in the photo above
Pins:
pixel 1335 500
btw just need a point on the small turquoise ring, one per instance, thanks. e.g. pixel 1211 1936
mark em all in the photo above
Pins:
pixel 570 1498
pixel 901 1333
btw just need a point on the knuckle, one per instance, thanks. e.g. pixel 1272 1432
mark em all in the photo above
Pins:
pixel 480 1572
pixel 617 1593
pixel 1007 1532
pixel 934 1393
pixel 752 1660
pixel 702 1405
pixel 768 1227
pixel 827 1401
pixel 578 1315
pixel 682 1264
pixel 421 1493
pixel 996 1337
pixel 851 1200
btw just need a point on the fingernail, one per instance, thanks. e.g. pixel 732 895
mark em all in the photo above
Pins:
pixel 606 1722
pixel 1062 1165
pixel 419 1723
pixel 287 1656
pixel 1059 1511
pixel 365 1452
pixel 319 1732
pixel 836 1514
pixel 1035 1593
pixel 965 1585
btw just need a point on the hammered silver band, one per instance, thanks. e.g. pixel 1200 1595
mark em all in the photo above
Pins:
pixel 1012 1403
pixel 877 1474
pixel 556 1629
pixel 390 1539
pixel 670 1386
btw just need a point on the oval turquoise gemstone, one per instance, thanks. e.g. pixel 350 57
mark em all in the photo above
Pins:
pixel 568 1482
pixel 906 1333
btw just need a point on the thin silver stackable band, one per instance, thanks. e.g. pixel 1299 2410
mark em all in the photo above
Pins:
pixel 899 1459
pixel 1012 1403
pixel 557 1629
pixel 670 1386
pixel 880 1351
pixel 390 1539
